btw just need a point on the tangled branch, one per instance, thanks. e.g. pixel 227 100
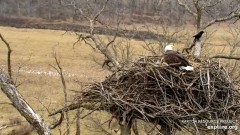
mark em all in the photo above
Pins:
pixel 164 96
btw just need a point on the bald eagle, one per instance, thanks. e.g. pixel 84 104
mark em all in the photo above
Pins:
pixel 176 59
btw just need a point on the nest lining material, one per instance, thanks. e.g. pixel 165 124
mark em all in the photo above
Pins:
pixel 162 95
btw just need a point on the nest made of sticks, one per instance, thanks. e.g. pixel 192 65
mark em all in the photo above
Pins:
pixel 166 96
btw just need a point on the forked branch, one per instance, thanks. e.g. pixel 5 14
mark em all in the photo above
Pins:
pixel 60 72
pixel 97 43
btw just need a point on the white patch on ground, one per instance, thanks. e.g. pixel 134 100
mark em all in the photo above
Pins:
pixel 44 72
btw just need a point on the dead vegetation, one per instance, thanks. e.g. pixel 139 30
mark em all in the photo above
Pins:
pixel 23 130
pixel 165 96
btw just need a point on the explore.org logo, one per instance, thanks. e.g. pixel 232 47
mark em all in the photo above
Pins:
pixel 233 127
pixel 214 124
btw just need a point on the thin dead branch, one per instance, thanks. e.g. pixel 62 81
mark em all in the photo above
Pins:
pixel 5 103
pixel 188 49
pixel 96 41
pixel 102 48
pixel 74 106
pixel 187 8
pixel 8 56
pixel 197 13
pixel 223 19
pixel 99 126
pixel 60 72
pixel 78 121
pixel 226 57
pixel 2 127
pixel 57 123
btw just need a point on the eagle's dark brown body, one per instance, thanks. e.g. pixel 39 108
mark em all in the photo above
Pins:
pixel 175 59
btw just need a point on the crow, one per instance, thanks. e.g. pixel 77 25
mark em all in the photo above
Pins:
pixel 198 36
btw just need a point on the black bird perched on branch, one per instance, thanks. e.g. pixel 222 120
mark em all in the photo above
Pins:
pixel 198 36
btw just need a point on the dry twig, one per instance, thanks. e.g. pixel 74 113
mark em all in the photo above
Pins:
pixel 164 96
pixel 8 56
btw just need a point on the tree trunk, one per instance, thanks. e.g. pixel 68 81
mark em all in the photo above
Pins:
pixel 135 127
pixel 125 129
pixel 198 24
pixel 22 106
pixel 78 122
pixel 199 19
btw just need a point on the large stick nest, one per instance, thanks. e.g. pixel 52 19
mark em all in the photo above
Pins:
pixel 162 95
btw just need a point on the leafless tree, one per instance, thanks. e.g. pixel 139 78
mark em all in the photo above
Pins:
pixel 167 36
pixel 199 8
pixel 96 42
pixel 9 89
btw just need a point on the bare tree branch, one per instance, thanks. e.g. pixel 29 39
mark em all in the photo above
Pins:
pixel 5 103
pixel 104 6
pixel 58 122
pixel 78 121
pixel 60 72
pixel 231 16
pixel 187 8
pixel 198 14
pixel 135 127
pixel 226 57
pixel 74 106
pixel 112 41
pixel 100 126
pixel 7 126
pixel 94 19
pixel 236 20
pixel 188 49
pixel 22 106
pixel 101 47
pixel 8 56
pixel 212 4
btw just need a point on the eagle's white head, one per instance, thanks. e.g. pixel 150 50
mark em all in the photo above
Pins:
pixel 168 47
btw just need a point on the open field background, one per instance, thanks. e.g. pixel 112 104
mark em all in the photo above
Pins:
pixel 40 84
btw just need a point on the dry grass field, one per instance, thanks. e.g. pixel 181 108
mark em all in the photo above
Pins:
pixel 32 52
pixel 39 83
